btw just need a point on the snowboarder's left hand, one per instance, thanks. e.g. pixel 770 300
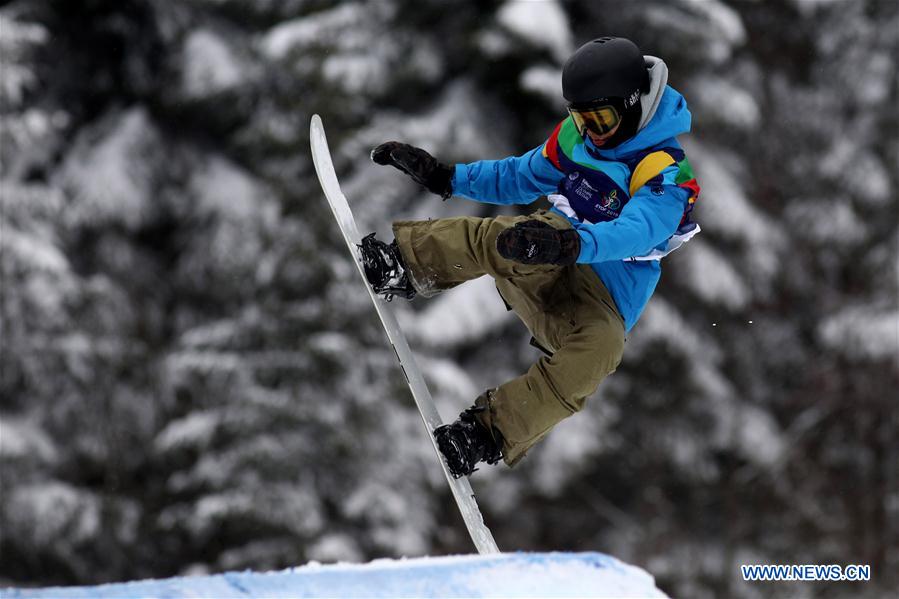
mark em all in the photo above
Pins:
pixel 537 242
pixel 418 164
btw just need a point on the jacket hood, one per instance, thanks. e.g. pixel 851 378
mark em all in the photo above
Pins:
pixel 671 118
pixel 658 80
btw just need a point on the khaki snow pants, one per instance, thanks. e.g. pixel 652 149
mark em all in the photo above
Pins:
pixel 567 309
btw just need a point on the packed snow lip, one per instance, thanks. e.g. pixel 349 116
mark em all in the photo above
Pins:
pixel 498 575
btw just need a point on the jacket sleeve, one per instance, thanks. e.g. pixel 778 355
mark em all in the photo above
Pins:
pixel 650 217
pixel 513 180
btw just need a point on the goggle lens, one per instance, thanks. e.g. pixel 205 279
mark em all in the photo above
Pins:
pixel 599 120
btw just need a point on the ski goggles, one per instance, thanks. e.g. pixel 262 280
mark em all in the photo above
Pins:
pixel 599 119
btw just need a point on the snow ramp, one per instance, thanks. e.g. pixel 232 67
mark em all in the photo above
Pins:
pixel 498 575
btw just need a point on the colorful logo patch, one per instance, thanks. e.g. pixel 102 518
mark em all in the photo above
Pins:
pixel 609 201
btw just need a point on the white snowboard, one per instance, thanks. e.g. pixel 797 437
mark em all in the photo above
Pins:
pixel 461 488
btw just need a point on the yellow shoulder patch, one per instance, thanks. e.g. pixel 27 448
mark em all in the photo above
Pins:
pixel 648 168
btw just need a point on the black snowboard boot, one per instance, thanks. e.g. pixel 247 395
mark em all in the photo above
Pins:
pixel 466 442
pixel 384 268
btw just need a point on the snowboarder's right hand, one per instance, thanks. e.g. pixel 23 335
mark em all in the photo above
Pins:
pixel 537 242
pixel 418 164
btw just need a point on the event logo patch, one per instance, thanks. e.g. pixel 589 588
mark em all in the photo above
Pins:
pixel 609 201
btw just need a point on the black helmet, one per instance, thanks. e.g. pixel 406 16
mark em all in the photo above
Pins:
pixel 608 71
pixel 607 67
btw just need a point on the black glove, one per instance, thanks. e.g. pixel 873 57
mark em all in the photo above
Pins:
pixel 537 242
pixel 418 164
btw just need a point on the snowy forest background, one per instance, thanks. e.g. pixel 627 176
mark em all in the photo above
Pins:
pixel 193 379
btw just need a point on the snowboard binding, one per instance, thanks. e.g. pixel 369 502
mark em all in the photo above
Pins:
pixel 384 268
pixel 466 442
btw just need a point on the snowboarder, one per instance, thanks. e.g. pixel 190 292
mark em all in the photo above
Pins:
pixel 578 274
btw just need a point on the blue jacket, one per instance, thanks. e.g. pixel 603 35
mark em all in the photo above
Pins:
pixel 644 221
